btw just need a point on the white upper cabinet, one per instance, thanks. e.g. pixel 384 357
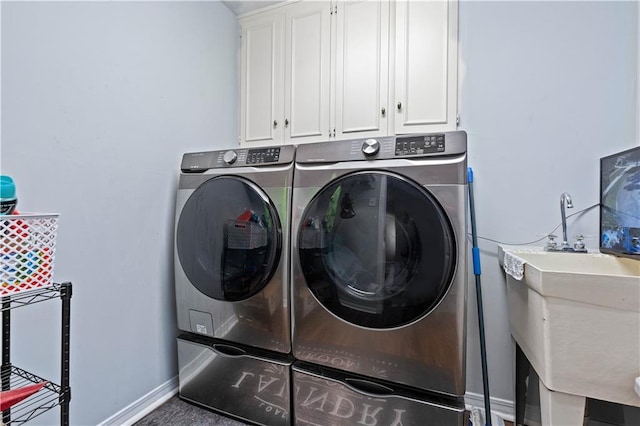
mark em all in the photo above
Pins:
pixel 285 75
pixel 426 66
pixel 319 70
pixel 307 72
pixel 361 89
pixel 262 80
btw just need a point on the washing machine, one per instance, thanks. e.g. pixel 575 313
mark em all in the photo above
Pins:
pixel 231 245
pixel 379 268
pixel 232 281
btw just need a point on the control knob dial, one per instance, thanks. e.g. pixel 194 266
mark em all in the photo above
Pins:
pixel 370 147
pixel 230 157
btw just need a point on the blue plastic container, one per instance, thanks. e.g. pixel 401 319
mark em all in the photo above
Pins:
pixel 8 199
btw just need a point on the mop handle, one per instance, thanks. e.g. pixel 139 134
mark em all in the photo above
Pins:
pixel 475 251
pixel 476 271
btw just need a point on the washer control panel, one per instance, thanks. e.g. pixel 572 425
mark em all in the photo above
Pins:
pixel 263 155
pixel 199 162
pixel 419 145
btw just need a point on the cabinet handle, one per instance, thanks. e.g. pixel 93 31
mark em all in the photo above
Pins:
pixel 286 122
pixel 384 111
pixel 275 123
pixel 399 106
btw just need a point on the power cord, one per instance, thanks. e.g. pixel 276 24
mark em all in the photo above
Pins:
pixel 539 239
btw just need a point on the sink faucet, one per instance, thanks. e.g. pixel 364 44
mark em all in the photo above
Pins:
pixel 578 246
pixel 565 197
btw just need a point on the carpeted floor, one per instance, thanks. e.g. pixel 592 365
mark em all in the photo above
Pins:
pixel 177 412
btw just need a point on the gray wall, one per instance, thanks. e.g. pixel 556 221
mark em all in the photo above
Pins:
pixel 99 101
pixel 547 88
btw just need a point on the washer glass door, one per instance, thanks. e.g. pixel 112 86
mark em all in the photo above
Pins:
pixel 228 238
pixel 376 249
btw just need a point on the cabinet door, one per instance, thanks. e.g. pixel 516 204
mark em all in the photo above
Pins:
pixel 307 68
pixel 426 66
pixel 361 73
pixel 262 79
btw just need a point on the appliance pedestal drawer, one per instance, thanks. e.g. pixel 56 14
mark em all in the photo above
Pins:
pixel 239 381
pixel 334 398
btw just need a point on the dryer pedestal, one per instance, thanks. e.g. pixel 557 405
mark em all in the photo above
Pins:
pixel 330 397
pixel 239 381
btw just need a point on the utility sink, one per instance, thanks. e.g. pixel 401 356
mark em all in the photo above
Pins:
pixel 576 317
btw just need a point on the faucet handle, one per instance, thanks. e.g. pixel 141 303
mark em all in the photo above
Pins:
pixel 579 244
pixel 551 242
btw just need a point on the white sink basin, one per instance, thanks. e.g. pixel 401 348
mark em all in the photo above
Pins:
pixel 576 317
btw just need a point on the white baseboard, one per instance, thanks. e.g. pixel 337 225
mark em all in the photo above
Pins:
pixel 144 405
pixel 503 408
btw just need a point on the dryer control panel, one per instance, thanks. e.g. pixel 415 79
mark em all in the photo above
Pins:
pixel 386 147
pixel 418 145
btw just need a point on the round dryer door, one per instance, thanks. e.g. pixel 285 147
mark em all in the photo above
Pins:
pixel 376 249
pixel 228 238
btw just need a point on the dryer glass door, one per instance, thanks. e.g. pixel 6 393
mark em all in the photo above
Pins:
pixel 228 238
pixel 376 249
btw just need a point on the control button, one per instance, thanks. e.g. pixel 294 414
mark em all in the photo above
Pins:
pixel 370 147
pixel 230 157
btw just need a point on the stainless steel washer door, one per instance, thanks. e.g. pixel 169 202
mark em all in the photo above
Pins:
pixel 229 238
pixel 376 249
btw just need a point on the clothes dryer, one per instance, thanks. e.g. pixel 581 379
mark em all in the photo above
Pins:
pixel 379 262
pixel 231 245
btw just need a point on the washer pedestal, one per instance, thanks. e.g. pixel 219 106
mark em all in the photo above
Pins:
pixel 240 382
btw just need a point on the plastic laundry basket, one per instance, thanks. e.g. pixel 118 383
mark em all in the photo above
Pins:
pixel 27 250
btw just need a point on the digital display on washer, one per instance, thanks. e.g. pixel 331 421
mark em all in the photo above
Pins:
pixel 264 155
pixel 417 145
